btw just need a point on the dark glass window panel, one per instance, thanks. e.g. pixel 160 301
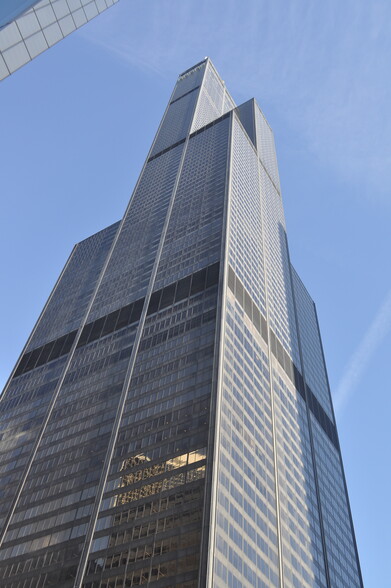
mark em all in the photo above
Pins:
pixel 273 343
pixel 154 302
pixel 298 377
pixel 257 318
pixel 231 279
pixel 264 328
pixel 57 348
pixel 68 342
pixel 110 323
pixel 247 304
pixel 280 353
pixel 212 276
pixel 125 353
pixel 168 296
pixel 286 360
pixel 96 329
pixel 22 364
pixel 33 357
pixel 24 361
pixel 183 289
pixel 239 292
pixel 46 349
pixel 85 334
pixel 209 316
pixel 289 366
pixel 137 310
pixel 198 282
pixel 124 316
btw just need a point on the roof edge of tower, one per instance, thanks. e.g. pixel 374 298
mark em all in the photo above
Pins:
pixel 193 67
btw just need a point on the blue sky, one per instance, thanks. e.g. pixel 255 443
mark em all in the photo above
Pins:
pixel 77 123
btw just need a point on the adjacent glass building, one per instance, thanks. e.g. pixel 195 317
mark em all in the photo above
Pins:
pixel 28 27
pixel 169 422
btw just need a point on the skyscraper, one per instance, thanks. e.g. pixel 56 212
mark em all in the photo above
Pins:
pixel 169 422
pixel 29 27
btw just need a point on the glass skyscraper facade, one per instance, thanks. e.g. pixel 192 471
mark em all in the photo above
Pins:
pixel 169 421
pixel 29 27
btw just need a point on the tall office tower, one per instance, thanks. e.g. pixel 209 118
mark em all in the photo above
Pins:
pixel 29 27
pixel 169 422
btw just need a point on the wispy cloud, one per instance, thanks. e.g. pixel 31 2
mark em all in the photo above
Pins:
pixel 361 358
pixel 322 67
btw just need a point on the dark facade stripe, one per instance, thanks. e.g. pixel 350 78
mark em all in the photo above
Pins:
pixel 183 95
pixel 305 391
pixel 252 311
pixel 211 124
pixel 322 418
pixel 247 303
pixel 166 150
pixel 123 317
pixel 48 352
pixel 201 130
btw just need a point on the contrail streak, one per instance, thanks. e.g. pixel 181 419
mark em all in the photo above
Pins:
pixel 360 359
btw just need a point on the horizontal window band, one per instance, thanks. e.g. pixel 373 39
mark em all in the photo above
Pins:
pixel 123 317
pixel 183 95
pixel 184 288
pixel 211 124
pixel 166 150
pixel 46 353
pixel 201 130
